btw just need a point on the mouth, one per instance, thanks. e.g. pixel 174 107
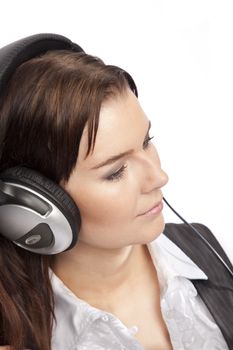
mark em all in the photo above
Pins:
pixel 155 209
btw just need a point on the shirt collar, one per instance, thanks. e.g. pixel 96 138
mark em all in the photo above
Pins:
pixel 171 261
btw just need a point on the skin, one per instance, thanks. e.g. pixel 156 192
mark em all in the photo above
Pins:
pixel 111 252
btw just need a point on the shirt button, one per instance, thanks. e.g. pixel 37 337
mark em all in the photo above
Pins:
pixel 105 318
pixel 133 330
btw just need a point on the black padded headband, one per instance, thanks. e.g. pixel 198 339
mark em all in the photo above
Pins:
pixel 12 55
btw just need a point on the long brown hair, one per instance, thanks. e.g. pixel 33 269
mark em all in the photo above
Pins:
pixel 43 111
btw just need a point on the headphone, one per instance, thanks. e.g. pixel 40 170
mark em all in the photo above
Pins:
pixel 48 220
pixel 35 213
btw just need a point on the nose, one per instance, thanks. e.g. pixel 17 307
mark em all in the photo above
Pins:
pixel 153 176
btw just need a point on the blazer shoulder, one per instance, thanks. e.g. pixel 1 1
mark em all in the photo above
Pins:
pixel 182 234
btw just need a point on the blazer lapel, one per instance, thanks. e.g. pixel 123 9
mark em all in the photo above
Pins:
pixel 217 291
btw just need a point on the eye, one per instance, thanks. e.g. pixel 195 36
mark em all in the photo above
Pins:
pixel 117 175
pixel 146 143
pixel 121 171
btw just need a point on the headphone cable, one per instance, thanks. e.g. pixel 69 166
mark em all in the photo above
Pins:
pixel 202 238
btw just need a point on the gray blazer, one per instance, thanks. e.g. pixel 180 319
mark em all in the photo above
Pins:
pixel 217 291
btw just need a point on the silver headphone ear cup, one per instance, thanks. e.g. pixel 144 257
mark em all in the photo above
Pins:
pixel 63 207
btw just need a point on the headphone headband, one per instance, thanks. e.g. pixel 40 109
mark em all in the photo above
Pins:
pixel 14 54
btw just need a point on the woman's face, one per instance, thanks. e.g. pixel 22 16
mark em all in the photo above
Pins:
pixel 120 180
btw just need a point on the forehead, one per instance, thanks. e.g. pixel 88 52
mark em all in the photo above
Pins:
pixel 121 122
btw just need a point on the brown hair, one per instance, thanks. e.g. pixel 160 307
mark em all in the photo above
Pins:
pixel 48 102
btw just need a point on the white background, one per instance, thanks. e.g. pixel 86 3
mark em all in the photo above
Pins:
pixel 180 54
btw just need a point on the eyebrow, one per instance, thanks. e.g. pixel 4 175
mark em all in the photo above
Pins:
pixel 118 156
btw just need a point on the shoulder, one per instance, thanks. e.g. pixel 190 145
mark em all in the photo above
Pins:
pixel 195 244
pixel 182 231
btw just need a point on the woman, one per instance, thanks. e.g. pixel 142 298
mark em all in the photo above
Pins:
pixel 123 285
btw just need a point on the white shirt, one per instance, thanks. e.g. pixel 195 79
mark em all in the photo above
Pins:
pixel 80 326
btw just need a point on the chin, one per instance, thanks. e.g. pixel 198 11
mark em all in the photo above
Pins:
pixel 153 230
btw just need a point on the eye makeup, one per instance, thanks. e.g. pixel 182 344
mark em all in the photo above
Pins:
pixel 119 174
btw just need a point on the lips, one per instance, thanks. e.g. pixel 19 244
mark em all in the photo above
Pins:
pixel 152 208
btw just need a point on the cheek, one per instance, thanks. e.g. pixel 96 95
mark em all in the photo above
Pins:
pixel 107 203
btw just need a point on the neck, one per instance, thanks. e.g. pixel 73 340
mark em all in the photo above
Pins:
pixel 93 273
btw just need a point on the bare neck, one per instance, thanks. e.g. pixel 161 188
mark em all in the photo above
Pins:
pixel 93 273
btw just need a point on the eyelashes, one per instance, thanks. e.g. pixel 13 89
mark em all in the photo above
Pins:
pixel 146 143
pixel 119 174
